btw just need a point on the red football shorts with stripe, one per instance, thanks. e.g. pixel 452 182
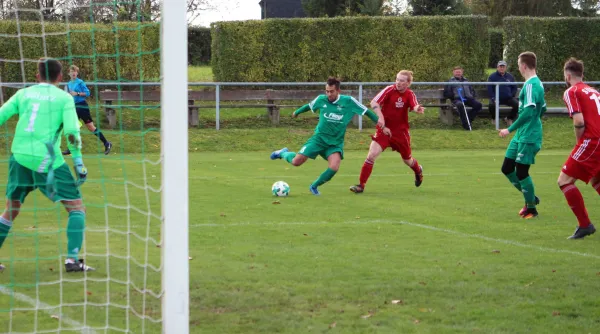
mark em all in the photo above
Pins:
pixel 584 161
pixel 400 142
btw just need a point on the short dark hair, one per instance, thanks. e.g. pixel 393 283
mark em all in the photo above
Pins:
pixel 529 59
pixel 333 81
pixel 574 66
pixel 49 69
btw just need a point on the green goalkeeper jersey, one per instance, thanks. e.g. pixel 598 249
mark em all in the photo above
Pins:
pixel 45 113
pixel 532 106
pixel 335 116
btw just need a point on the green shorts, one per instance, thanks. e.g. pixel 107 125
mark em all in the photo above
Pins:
pixel 22 181
pixel 523 153
pixel 316 146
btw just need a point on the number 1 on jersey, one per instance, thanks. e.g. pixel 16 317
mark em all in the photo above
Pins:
pixel 34 111
pixel 596 99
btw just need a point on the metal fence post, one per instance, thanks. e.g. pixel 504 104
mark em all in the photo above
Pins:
pixel 360 98
pixel 218 106
pixel 497 107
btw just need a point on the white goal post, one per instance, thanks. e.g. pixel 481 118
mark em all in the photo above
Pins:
pixel 174 154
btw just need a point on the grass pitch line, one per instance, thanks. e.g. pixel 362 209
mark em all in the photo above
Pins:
pixel 47 309
pixel 433 228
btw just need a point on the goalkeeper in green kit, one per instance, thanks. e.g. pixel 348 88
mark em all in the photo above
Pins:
pixel 45 113
pixel 335 112
pixel 527 142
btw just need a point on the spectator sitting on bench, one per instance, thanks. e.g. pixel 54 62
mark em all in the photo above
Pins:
pixel 506 93
pixel 462 95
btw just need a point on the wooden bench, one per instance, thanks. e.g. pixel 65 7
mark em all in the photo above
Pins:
pixel 274 100
pixel 447 113
pixel 271 99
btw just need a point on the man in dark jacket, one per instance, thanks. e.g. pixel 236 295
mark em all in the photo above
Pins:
pixel 506 92
pixel 462 95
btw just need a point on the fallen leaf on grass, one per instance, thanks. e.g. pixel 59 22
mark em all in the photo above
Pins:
pixel 223 214
pixel 366 316
pixel 422 283
pixel 333 325
pixel 189 257
pixel 397 301
pixel 529 284
pixel 473 272
pixel 424 310
pixel 31 228
pixel 51 269
pixel 417 321
pixel 553 270
pixel 555 313
pixel 306 235
pixel 495 251
pixel 357 217
pixel 54 316
pixel 276 202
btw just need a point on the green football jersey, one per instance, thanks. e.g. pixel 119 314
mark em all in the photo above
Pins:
pixel 531 107
pixel 335 116
pixel 45 113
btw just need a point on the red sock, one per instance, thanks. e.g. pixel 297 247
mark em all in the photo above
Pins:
pixel 415 166
pixel 597 187
pixel 365 172
pixel 575 200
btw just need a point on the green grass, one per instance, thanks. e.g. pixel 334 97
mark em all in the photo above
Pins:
pixel 453 251
pixel 200 74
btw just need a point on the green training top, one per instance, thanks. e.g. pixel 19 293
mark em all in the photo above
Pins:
pixel 45 113
pixel 334 116
pixel 532 106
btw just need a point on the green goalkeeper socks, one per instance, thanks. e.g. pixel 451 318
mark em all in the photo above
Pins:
pixel 528 191
pixel 324 177
pixel 4 229
pixel 288 156
pixel 512 177
pixel 75 228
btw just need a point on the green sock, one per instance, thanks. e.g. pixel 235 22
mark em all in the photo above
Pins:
pixel 75 228
pixel 288 156
pixel 512 177
pixel 4 229
pixel 324 177
pixel 528 191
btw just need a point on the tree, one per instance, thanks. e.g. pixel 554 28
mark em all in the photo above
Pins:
pixel 331 8
pixel 437 7
pixel 100 11
pixel 395 7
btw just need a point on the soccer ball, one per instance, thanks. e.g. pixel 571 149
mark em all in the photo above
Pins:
pixel 280 189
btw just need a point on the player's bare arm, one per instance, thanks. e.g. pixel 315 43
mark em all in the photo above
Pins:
pixel 419 109
pixel 579 125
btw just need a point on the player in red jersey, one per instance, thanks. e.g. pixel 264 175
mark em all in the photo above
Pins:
pixel 583 104
pixel 395 101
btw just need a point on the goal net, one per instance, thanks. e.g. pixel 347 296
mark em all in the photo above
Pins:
pixel 135 195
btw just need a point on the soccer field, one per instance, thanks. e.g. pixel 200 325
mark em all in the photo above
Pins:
pixel 451 256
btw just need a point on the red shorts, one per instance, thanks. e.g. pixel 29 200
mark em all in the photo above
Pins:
pixel 400 142
pixel 584 161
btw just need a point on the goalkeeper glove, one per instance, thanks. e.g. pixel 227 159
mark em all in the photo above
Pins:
pixel 80 170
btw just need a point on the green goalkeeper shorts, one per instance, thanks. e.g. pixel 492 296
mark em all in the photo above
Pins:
pixel 523 153
pixel 22 181
pixel 316 146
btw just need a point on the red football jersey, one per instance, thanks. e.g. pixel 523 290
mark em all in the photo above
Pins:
pixel 585 100
pixel 395 106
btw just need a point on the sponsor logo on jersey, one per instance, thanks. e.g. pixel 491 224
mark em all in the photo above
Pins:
pixel 333 117
pixel 399 103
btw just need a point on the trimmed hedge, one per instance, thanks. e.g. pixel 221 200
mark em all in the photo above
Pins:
pixel 554 40
pixel 352 48
pixel 199 45
pixel 496 47
pixel 124 51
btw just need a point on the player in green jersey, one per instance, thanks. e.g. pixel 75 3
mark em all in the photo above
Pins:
pixel 527 141
pixel 45 113
pixel 335 112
